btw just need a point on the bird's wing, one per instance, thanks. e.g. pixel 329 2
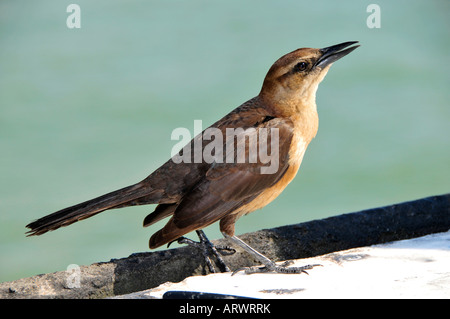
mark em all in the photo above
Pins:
pixel 228 186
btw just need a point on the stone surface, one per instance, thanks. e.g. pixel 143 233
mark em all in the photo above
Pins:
pixel 149 270
pixel 414 268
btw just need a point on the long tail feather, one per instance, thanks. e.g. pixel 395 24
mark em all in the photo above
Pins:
pixel 64 217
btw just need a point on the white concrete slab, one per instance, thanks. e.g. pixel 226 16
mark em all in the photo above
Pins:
pixel 415 268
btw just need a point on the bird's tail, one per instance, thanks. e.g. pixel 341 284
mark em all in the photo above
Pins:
pixel 126 196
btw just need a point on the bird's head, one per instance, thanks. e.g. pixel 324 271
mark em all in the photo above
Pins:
pixel 294 77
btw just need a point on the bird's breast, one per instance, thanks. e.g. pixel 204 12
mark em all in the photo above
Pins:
pixel 296 152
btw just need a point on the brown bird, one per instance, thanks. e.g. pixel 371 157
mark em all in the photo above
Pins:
pixel 197 193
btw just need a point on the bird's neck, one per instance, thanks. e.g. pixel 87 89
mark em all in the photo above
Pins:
pixel 300 109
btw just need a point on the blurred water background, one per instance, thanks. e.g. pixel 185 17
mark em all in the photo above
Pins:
pixel 87 111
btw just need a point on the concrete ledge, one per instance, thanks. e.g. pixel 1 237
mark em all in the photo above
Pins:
pixel 404 269
pixel 148 270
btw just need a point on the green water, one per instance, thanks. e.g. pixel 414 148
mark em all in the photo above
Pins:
pixel 86 111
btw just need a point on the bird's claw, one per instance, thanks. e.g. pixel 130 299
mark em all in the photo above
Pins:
pixel 225 250
pixel 273 268
pixel 208 250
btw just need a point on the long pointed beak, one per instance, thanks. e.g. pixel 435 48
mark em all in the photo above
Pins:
pixel 334 53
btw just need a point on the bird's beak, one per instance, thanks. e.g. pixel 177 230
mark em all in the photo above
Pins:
pixel 334 53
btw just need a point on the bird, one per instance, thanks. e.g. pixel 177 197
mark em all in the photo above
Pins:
pixel 193 194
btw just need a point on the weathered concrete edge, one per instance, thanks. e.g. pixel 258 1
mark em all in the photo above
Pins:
pixel 147 270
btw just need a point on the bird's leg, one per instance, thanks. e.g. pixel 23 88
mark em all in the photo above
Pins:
pixel 208 249
pixel 214 249
pixel 269 265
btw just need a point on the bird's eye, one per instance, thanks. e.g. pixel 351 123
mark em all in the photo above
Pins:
pixel 301 66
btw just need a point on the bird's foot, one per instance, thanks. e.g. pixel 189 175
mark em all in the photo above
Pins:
pixel 269 265
pixel 279 269
pixel 209 250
